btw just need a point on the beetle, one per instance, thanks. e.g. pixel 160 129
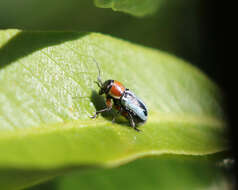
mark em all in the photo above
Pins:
pixel 123 100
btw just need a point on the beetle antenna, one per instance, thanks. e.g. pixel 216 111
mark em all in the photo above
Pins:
pixel 99 82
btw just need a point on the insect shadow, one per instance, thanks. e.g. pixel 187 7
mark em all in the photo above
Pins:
pixel 99 103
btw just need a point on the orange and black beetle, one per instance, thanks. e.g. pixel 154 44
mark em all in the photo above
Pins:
pixel 124 101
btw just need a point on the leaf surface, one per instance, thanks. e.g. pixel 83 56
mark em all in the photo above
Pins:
pixel 47 93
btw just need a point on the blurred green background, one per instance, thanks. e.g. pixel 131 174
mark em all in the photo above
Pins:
pixel 164 172
pixel 179 27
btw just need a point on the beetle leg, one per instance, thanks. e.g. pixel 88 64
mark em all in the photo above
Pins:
pixel 108 108
pixel 100 111
pixel 118 112
pixel 132 123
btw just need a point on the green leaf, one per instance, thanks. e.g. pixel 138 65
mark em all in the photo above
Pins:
pixel 47 93
pixel 133 7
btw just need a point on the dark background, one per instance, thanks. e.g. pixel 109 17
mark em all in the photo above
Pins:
pixel 220 22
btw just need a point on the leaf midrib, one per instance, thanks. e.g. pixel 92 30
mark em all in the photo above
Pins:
pixel 76 124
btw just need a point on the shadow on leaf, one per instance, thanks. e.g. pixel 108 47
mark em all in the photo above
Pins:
pixel 99 103
pixel 25 43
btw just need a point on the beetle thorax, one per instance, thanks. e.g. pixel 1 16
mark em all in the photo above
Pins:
pixel 116 90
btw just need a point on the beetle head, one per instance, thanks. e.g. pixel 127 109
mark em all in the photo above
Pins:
pixel 105 87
